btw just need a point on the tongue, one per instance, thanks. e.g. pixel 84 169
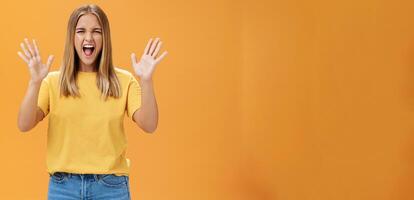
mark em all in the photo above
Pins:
pixel 88 51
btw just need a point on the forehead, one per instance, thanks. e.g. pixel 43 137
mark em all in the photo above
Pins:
pixel 88 20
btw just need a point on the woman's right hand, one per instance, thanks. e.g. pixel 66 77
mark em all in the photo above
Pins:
pixel 31 55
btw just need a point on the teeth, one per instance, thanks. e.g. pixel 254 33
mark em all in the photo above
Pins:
pixel 88 46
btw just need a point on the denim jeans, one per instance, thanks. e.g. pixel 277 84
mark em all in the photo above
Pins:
pixel 68 186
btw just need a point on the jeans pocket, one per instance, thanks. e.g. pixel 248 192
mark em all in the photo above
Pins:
pixel 112 180
pixel 58 177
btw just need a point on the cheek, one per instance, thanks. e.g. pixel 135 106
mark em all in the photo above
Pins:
pixel 77 42
pixel 99 43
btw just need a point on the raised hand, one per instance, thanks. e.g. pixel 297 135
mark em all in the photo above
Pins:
pixel 146 66
pixel 31 55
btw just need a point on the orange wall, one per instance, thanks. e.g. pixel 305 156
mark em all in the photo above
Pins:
pixel 258 100
pixel 327 100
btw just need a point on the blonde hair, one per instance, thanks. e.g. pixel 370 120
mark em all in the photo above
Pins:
pixel 106 79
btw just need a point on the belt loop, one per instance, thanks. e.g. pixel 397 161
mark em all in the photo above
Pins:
pixel 96 176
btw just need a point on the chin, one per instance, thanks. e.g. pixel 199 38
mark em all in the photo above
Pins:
pixel 88 61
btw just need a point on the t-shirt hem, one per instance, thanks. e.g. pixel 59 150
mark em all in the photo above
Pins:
pixel 79 172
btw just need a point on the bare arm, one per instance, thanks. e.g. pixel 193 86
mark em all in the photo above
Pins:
pixel 30 114
pixel 147 116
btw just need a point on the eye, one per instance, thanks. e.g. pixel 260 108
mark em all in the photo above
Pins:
pixel 80 31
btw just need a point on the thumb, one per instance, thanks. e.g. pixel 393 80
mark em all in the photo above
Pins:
pixel 133 58
pixel 49 61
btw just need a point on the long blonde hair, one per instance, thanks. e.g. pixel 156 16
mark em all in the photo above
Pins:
pixel 106 79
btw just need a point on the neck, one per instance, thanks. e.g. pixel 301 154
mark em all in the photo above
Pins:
pixel 87 68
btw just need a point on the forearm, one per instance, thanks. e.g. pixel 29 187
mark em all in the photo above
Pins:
pixel 28 109
pixel 147 117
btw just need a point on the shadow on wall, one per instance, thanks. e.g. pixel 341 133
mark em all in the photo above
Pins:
pixel 251 182
pixel 408 74
pixel 403 189
pixel 404 182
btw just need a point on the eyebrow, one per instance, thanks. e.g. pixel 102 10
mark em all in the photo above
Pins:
pixel 81 28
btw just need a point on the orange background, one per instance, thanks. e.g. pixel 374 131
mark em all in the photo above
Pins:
pixel 258 100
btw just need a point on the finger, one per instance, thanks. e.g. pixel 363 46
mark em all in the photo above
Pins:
pixel 148 46
pixel 49 61
pixel 157 49
pixel 36 49
pixel 23 57
pixel 161 57
pixel 155 43
pixel 133 58
pixel 26 52
pixel 30 47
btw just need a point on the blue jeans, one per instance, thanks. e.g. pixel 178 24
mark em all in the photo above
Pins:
pixel 68 186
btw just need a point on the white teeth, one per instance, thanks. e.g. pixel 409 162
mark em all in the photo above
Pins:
pixel 88 45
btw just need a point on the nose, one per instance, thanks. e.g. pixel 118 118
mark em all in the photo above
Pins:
pixel 88 36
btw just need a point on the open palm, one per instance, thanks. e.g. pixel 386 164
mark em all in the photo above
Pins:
pixel 31 55
pixel 145 67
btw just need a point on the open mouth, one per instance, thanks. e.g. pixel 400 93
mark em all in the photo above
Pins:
pixel 88 49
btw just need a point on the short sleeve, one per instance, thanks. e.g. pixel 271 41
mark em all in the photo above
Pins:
pixel 134 97
pixel 43 98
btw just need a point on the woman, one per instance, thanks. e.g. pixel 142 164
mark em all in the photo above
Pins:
pixel 86 101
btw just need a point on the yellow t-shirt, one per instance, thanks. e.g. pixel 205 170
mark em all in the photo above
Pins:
pixel 86 134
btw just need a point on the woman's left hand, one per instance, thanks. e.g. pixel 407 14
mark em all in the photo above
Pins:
pixel 149 60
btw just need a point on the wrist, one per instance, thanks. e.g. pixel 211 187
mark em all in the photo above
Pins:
pixel 146 81
pixel 35 82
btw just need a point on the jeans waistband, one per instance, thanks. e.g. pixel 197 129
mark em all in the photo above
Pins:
pixel 82 176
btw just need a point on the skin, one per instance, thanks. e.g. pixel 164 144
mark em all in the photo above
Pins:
pixel 147 116
pixel 89 31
